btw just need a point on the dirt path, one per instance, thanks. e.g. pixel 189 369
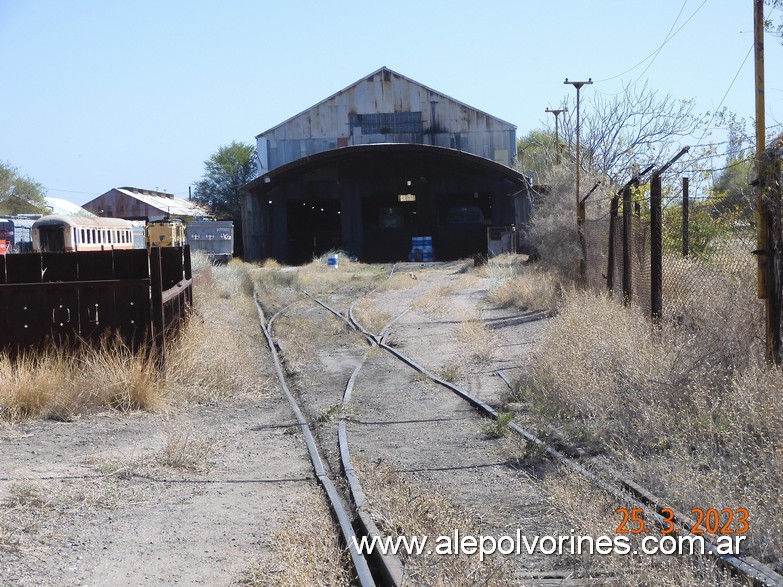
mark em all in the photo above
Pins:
pixel 191 497
pixel 183 499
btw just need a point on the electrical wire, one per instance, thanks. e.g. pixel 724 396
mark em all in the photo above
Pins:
pixel 725 95
pixel 669 36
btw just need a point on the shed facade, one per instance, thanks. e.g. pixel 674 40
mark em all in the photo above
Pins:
pixel 377 165
pixel 386 107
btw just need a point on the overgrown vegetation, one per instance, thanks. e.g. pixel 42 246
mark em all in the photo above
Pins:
pixel 687 408
pixel 690 409
pixel 498 428
pixel 211 358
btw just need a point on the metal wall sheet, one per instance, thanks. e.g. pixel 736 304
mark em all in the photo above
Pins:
pixel 445 122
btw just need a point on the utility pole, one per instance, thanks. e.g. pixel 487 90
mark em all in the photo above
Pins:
pixel 580 205
pixel 580 211
pixel 768 238
pixel 557 112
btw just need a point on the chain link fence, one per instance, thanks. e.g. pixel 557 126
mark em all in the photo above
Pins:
pixel 706 257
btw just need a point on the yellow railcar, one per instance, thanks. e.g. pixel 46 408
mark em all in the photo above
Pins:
pixel 169 232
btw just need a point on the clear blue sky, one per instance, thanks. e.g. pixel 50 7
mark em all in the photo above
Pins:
pixel 97 94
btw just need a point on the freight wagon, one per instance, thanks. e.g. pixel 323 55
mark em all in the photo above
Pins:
pixel 213 237
pixel 16 233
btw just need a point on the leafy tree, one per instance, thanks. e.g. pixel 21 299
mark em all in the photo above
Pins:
pixel 536 154
pixel 225 172
pixel 769 23
pixel 19 194
pixel 732 192
pixel 704 227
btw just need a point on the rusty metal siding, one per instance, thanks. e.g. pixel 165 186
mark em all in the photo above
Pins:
pixel 445 122
pixel 73 297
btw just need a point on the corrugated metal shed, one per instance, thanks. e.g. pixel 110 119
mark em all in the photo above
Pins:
pixel 386 107
pixel 135 204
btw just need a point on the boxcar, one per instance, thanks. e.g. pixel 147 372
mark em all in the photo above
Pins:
pixel 213 237
pixel 16 233
pixel 6 236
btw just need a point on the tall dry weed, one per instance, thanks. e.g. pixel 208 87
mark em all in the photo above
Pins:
pixel 477 339
pixel 217 354
pixel 552 231
pixel 220 352
pixel 59 382
pixel 512 283
pixel 688 406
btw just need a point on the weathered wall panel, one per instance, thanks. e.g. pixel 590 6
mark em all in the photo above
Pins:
pixel 337 122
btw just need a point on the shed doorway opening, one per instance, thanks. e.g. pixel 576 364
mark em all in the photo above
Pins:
pixel 314 228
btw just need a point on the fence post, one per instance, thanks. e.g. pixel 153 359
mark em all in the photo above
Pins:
pixel 656 247
pixel 610 253
pixel 770 200
pixel 627 272
pixel 156 284
pixel 686 243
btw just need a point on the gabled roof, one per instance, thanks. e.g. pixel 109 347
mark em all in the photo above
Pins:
pixel 372 75
pixel 164 202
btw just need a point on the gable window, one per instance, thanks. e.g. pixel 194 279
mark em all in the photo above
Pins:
pixel 388 123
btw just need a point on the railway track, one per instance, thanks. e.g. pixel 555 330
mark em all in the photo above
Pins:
pixel 350 505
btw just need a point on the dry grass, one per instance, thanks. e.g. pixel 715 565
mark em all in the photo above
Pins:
pixel 221 352
pixel 303 331
pixel 399 280
pixel 306 551
pixel 399 508
pixel 370 316
pixel 514 284
pixel 591 512
pixel 185 447
pixel 21 514
pixel 432 300
pixel 59 384
pixel 688 406
pixel 216 355
pixel 479 341
pixel 318 278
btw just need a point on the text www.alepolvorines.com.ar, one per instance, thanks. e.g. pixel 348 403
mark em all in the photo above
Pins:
pixel 571 544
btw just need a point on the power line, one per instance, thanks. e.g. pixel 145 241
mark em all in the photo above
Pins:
pixel 669 36
pixel 731 85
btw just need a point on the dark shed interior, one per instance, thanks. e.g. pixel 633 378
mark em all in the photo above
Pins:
pixel 372 200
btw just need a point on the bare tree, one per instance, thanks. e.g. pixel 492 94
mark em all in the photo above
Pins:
pixel 632 129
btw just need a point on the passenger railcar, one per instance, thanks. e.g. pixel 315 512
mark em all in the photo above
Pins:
pixel 64 234
pixel 169 232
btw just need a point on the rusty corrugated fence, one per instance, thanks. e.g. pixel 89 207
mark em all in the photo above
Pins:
pixel 65 298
